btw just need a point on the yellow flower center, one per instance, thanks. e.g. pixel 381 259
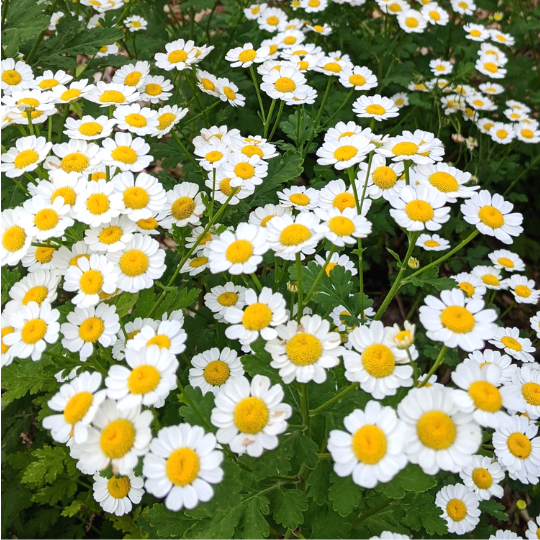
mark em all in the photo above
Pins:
pixel 165 120
pixel 5 331
pixel 357 80
pixel 265 220
pixel 378 360
pixel 285 85
pixel 98 176
pixel 225 187
pixel 375 109
pixel 46 219
pixel 33 331
pixel 369 444
pixel 257 316
pixel 405 149
pixel 443 182
pixel 531 393
pixel 457 319
pixel 31 102
pixel 482 478
pixel 91 329
pixel 490 279
pixel 456 510
pixel 208 84
pixel 519 445
pixel 436 430
pixel 97 204
pixel 344 200
pixel 333 67
pixel 70 94
pixel 136 198
pixel 216 373
pixel 317 27
pixel 304 349
pixel 14 239
pixel 329 268
pixel 183 466
pixel 35 294
pixel 252 150
pixel 247 55
pixel 148 224
pixel 112 96
pixel 467 288
pixel 227 299
pixel 133 78
pixel 198 261
pixel 75 259
pixel 511 343
pixel 251 415
pixel 239 251
pixel 435 15
pixel 213 156
pixel 342 226
pixel 136 120
pixel 183 207
pixel 384 177
pixel 124 154
pixel 43 255
pixel 294 235
pixel 523 291
pixel 25 158
pixel 485 396
pixel 491 67
pixel 153 89
pixel 394 8
pixel 11 77
pixel 134 263
pixel 345 153
pixel 45 84
pixel 299 199
pixel 504 261
pixel 110 235
pixel 161 340
pixel 91 282
pixel 229 93
pixel 431 243
pixel 502 133
pixel 118 488
pixel 77 407
pixel 244 170
pixel 117 438
pixel 177 56
pixel 143 379
pixel 67 193
pixel 527 134
pixel 75 162
pixel 272 21
pixel 418 210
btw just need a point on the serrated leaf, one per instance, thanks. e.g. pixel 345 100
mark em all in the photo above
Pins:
pixel 9 278
pixel 303 448
pixel 197 408
pixel 48 464
pixel 176 299
pixel 25 20
pixel 289 506
pixel 344 494
pixel 26 377
pixel 412 478
pixel 495 509
pixel 123 302
pixel 318 482
pixel 271 462
pixel 430 277
pixel 253 523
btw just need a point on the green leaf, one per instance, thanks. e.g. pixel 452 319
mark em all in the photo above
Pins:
pixel 73 509
pixel 280 171
pixel 259 363
pixel 164 523
pixel 25 19
pixel 430 277
pixel 49 463
pixel 26 377
pixel 123 302
pixel 144 304
pixel 198 408
pixel 9 278
pixel 495 509
pixel 303 448
pixel 412 478
pixel 318 482
pixel 344 494
pixel 271 462
pixel 253 523
pixel 289 506
pixel 176 299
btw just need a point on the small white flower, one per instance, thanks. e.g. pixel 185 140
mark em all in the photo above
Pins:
pixel 118 494
pixel 509 340
pixel 459 508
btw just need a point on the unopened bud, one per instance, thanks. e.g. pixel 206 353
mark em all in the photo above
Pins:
pixel 414 263
pixel 292 287
pixel 498 16
pixel 457 137
pixel 474 179
pixel 521 504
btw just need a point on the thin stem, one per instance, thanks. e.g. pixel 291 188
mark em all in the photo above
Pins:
pixel 369 513
pixel 254 77
pixel 211 212
pixel 318 118
pixel 507 310
pixel 299 284
pixel 268 118
pixel 256 281
pixel 345 101
pixel 531 164
pixel 319 275
pixel 184 149
pixel 41 35
pixel 435 366
pixel 277 120
pixel 335 399
pixel 190 403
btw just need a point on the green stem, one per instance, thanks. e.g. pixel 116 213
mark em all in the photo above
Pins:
pixel 531 164
pixel 200 114
pixel 277 120
pixel 319 275
pixel 319 114
pixel 435 366
pixel 268 118
pixel 254 77
pixel 190 403
pixel 345 101
pixel 184 149
pixel 371 512
pixel 256 281
pixel 507 310
pixel 211 212
pixel 335 399
pixel 299 284
pixel 39 39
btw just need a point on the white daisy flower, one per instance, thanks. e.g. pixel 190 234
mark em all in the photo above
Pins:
pixel 168 117
pixel 527 133
pixel 250 416
pixel 262 215
pixel 16 238
pixel 336 194
pixel 440 67
pixel 300 198
pixel 506 260
pixel 432 242
pixel 377 107
pixel 491 277
pixel 254 11
pixel 184 206
pixel 535 323
pixel 212 155
pixel 501 37
pixel 46 220
pixel 110 237
pixel 408 147
pixel 181 465
pixel 525 389
pixel 271 18
pixel 139 264
pixel 371 450
pixel 118 494
pixel 342 228
pixel 502 133
pixel 169 334
pixel 244 171
pixel 288 235
pixel 517 448
pixel 358 77
pixel 112 94
pixel 434 14
pixel 228 91
pixel 32 101
pixel 25 157
pixel 385 180
pixel 107 49
pixel 416 209
pixel 116 438
pixel 222 297
pixel 533 528
pixel 33 327
pixel 62 257
pixel 7 356
pixel 98 204
pixel 495 359
pixel 459 508
pixel 457 323
pixel 523 289
pixel 439 435
pixel 126 153
pixel 197 235
pixel 155 88
pixel 411 21
pixel 344 152
pixel 135 24
pixel 304 351
pixel 284 84
pixel 491 216
pixel 375 361
pixel 15 75
pixel 48 80
pixel 77 156
pixel 476 32
pixel 482 476
pixel 148 379
pixel 207 83
pixel 69 186
pixel 39 287
pixel 78 402
pixel 400 100
pixel 179 54
pixel 472 286
pixel 246 55
pixel 260 315
pixel 517 347
pixel 89 278
pixel 132 328
pixel 67 94
pixel 136 119
pixel 491 88
pixel 214 368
